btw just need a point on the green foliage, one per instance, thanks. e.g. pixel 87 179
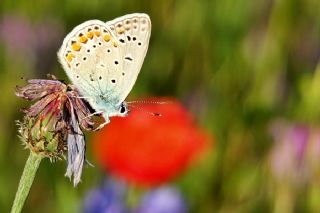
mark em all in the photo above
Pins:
pixel 239 65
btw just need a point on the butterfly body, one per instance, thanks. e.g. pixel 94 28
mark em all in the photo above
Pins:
pixel 103 60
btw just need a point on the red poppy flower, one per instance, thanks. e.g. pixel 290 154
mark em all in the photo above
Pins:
pixel 149 150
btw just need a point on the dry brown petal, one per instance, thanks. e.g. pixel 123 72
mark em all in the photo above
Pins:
pixel 55 121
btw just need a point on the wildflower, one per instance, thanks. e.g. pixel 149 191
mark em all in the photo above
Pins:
pixel 163 199
pixel 287 159
pixel 107 198
pixel 111 197
pixel 16 34
pixel 52 124
pixel 36 41
pixel 149 150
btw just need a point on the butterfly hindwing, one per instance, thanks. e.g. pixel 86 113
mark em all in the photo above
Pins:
pixel 91 57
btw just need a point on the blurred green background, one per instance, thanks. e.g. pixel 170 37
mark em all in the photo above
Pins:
pixel 245 68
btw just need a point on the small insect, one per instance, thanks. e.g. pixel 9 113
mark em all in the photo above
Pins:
pixel 103 61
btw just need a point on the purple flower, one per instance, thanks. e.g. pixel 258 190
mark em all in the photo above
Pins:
pixel 162 200
pixel 112 195
pixel 17 35
pixel 289 151
pixel 37 43
pixel 106 199
pixel 299 135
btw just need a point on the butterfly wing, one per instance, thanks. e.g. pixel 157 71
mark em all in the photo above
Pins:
pixel 91 57
pixel 103 60
pixel 133 33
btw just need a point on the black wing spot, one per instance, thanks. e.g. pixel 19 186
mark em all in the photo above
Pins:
pixel 121 40
pixel 94 46
pixel 116 62
pixel 113 81
pixel 134 38
pixel 77 64
pixel 123 73
pixel 128 58
pixel 102 65
pixel 77 76
pixel 129 38
pixel 84 58
pixel 88 50
pixel 100 43
pixel 139 43
pixel 100 77
pixel 108 50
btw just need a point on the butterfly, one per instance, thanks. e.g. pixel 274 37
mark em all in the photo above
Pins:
pixel 103 60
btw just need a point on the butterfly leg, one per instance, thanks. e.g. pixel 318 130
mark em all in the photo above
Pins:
pixel 95 113
pixel 102 125
pixel 53 77
pixel 82 97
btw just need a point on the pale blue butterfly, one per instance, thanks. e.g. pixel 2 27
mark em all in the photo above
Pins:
pixel 103 60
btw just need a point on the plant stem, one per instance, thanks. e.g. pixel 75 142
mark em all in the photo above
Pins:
pixel 26 181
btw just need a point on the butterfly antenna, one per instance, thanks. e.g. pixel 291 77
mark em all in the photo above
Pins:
pixel 149 102
pixel 142 110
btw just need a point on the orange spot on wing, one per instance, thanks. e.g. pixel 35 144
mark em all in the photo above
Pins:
pixel 97 33
pixel 83 39
pixel 76 46
pixel 90 35
pixel 114 43
pixel 69 57
pixel 106 37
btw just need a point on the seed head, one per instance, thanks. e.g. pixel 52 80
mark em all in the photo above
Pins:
pixel 53 123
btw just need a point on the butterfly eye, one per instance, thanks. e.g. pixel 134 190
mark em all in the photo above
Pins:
pixel 122 110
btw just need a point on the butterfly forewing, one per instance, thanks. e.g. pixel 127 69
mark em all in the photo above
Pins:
pixel 133 32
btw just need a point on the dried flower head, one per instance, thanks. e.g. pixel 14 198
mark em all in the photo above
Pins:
pixel 53 124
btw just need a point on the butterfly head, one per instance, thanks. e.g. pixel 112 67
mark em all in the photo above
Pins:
pixel 121 111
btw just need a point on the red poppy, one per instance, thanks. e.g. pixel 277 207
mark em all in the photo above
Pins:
pixel 149 150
